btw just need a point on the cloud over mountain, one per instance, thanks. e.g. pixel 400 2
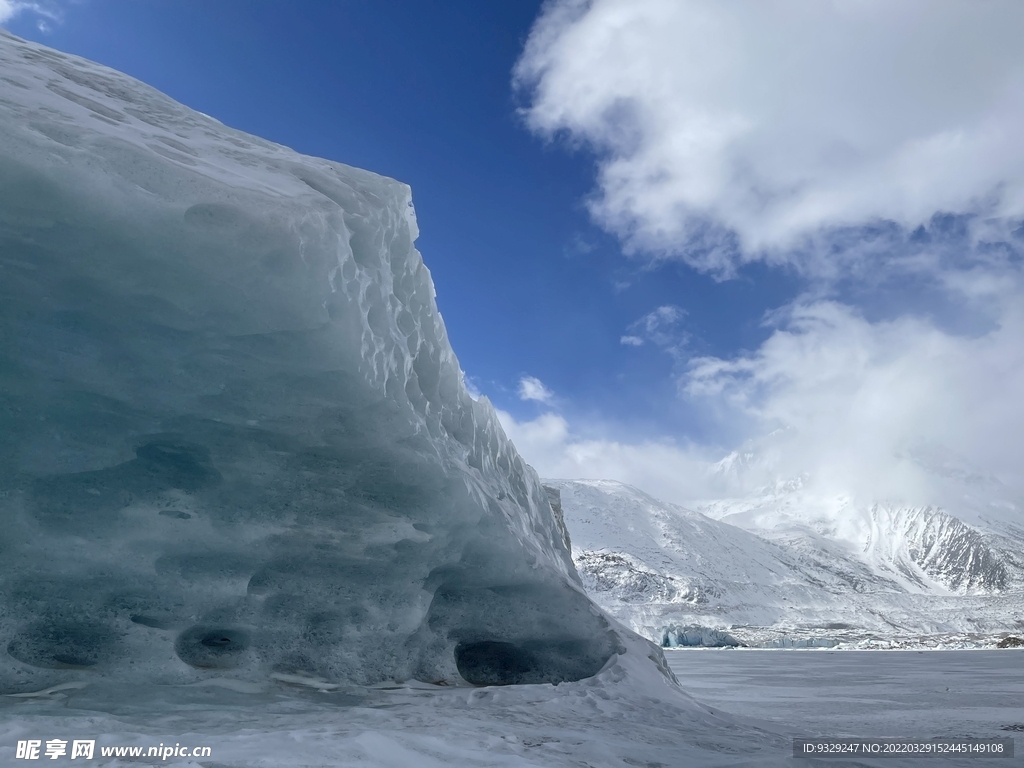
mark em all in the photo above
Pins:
pixel 870 148
pixel 733 131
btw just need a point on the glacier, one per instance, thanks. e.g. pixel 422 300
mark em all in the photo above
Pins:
pixel 235 435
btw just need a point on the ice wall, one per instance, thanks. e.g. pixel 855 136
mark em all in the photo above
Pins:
pixel 234 438
pixel 696 636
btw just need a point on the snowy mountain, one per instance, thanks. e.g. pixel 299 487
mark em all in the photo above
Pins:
pixel 921 547
pixel 662 568
pixel 962 542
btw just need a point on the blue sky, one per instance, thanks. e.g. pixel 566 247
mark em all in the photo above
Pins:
pixel 422 92
pixel 690 223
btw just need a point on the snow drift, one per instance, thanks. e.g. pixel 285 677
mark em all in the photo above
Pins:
pixel 234 434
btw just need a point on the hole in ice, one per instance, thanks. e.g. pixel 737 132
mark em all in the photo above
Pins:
pixel 175 514
pixel 58 645
pixel 216 640
pixel 492 662
pixel 521 633
pixel 212 647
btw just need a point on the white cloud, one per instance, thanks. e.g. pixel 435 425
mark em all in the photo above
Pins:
pixel 659 327
pixel 854 397
pixel 532 388
pixel 855 394
pixel 8 9
pixel 734 130
pixel 472 386
pixel 663 468
pixel 11 8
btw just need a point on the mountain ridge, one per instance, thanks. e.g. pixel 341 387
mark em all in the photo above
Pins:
pixel 657 565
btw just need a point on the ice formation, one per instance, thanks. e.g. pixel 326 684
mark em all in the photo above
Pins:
pixel 234 438
pixel 696 636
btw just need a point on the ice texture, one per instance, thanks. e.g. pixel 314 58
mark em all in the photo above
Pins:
pixel 234 438
pixel 696 636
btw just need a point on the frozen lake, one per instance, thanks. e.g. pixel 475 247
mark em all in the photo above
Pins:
pixel 760 701
pixel 906 694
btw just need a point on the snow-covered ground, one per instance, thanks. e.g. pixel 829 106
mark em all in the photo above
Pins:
pixel 609 720
pixel 753 703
